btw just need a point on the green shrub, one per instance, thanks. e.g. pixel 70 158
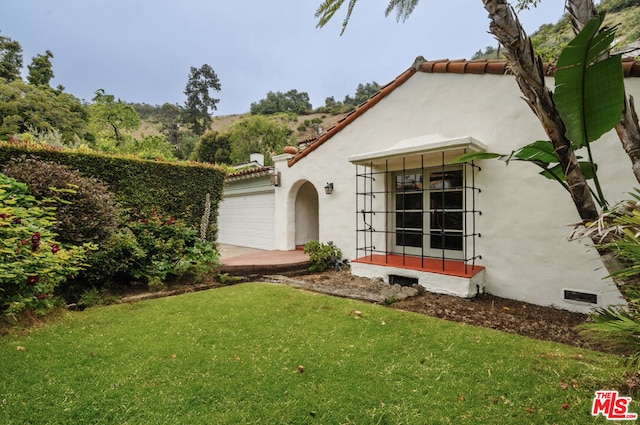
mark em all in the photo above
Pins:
pixel 32 262
pixel 164 248
pixel 147 250
pixel 178 189
pixel 95 297
pixel 111 264
pixel 322 256
pixel 88 210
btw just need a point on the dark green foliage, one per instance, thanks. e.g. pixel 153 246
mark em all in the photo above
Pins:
pixel 322 256
pixel 177 189
pixel 41 69
pixel 199 101
pixel 148 249
pixel 88 212
pixel 291 101
pixel 186 145
pixel 26 106
pixel 32 262
pixel 213 147
pixel 489 52
pixel 112 263
pixel 363 92
pixel 10 59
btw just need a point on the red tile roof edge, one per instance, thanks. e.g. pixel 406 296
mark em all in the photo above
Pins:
pixel 631 68
pixel 249 171
pixel 361 109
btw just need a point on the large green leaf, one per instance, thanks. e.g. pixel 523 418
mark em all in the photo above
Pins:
pixel 556 172
pixel 589 90
pixel 540 151
pixel 474 156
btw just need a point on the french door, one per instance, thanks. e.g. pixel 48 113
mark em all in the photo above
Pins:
pixel 428 212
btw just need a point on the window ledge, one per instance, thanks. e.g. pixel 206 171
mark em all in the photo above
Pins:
pixel 435 275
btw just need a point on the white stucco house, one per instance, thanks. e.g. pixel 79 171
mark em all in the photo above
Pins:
pixel 399 208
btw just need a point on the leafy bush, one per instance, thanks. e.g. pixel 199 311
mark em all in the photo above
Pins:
pixel 322 256
pixel 111 264
pixel 151 147
pixel 88 210
pixel 213 147
pixel 151 250
pixel 32 262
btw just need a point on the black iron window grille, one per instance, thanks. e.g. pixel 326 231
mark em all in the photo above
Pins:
pixel 418 211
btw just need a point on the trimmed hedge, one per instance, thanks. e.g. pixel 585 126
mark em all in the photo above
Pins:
pixel 177 189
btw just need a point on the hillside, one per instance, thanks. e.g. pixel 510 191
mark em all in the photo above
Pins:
pixel 303 127
pixel 549 39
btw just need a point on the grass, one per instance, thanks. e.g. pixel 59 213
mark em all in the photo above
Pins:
pixel 230 356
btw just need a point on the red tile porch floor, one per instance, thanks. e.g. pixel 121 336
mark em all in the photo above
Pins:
pixel 433 265
pixel 247 261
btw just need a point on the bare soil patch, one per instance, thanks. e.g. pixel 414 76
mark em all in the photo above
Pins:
pixel 545 323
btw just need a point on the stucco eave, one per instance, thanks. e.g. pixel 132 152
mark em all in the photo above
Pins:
pixel 421 145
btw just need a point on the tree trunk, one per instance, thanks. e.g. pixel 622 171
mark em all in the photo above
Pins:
pixel 628 129
pixel 529 74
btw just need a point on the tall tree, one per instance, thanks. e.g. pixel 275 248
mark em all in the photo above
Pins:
pixel 258 133
pixel 111 117
pixel 41 69
pixel 365 91
pixel 199 100
pixel 10 59
pixel 169 115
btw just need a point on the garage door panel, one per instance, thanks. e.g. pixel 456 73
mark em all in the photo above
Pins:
pixel 248 220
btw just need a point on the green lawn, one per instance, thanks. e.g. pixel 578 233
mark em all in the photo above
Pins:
pixel 230 356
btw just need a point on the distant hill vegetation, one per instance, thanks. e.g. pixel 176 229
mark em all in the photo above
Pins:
pixel 550 39
pixel 284 118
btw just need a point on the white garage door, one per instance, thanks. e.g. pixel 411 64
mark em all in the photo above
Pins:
pixel 247 220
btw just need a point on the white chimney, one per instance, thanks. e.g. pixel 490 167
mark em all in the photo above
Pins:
pixel 257 157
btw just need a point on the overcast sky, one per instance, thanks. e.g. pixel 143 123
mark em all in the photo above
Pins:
pixel 142 50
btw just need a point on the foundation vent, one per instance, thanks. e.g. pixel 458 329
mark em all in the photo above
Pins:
pixel 402 280
pixel 583 297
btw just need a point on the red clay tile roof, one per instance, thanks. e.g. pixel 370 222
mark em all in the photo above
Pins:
pixel 630 67
pixel 249 173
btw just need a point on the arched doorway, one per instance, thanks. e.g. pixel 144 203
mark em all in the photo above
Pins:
pixel 306 214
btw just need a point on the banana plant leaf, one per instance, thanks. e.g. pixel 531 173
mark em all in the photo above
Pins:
pixel 473 156
pixel 538 151
pixel 589 91
pixel 556 172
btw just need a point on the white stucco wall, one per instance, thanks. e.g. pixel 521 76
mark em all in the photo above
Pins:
pixel 525 218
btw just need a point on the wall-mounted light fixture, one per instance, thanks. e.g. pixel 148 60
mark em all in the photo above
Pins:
pixel 274 175
pixel 328 189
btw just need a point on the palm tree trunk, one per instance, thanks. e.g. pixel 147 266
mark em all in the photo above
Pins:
pixel 529 73
pixel 628 129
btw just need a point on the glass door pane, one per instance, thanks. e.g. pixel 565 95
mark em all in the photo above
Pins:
pixel 446 203
pixel 409 212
